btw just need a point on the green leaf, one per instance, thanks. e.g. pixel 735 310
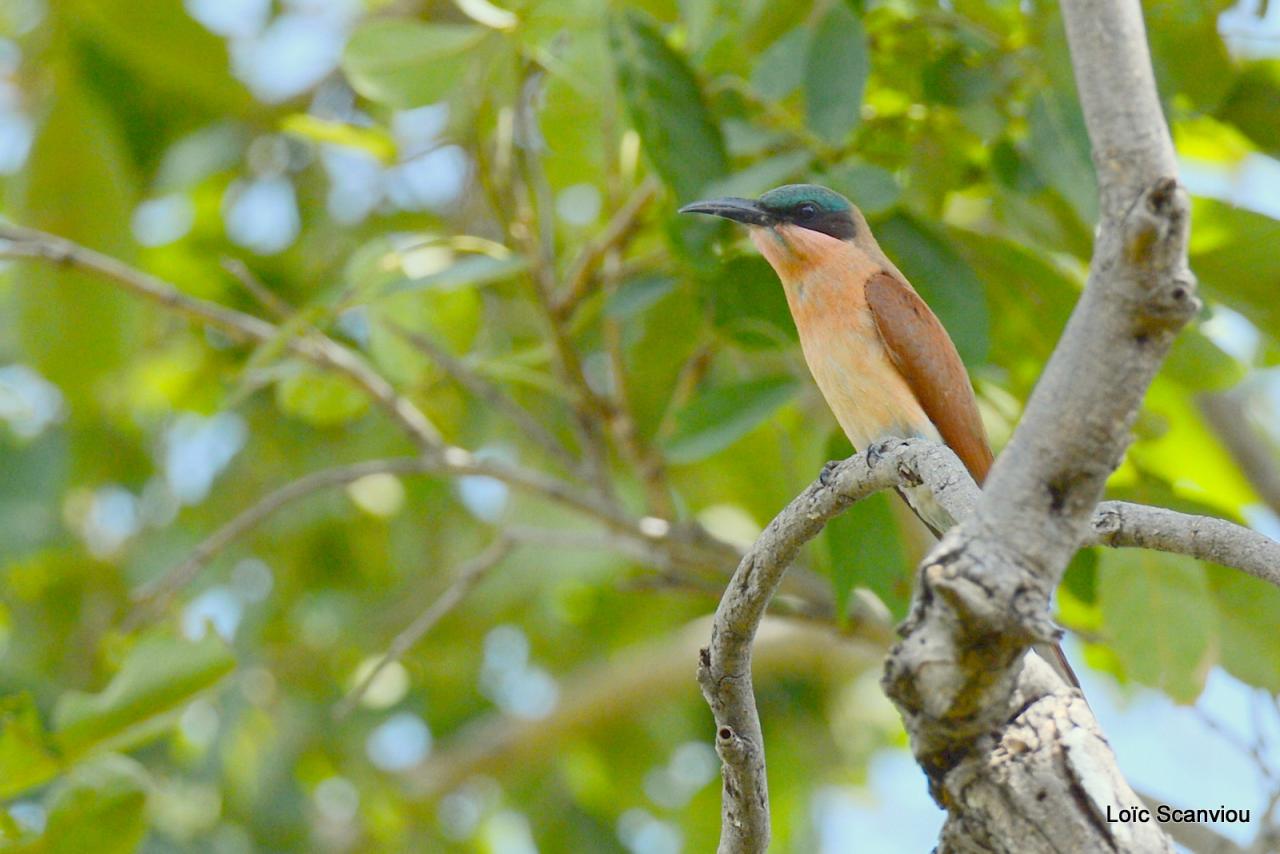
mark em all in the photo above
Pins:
pixel 1031 297
pixel 1188 54
pixel 762 175
pixel 1183 451
pixel 101 808
pixel 406 63
pixel 1159 615
pixel 866 549
pixel 835 74
pixel 670 333
pixel 1249 612
pixel 780 70
pixel 167 48
pixel 1233 255
pixel 1081 576
pixel 1253 105
pixel 950 80
pixel 748 303
pixel 159 675
pixel 1058 149
pixel 320 398
pixel 718 418
pixel 468 271
pixel 25 756
pixel 376 142
pixel 636 295
pixel 944 279
pixel 77 184
pixel 1199 364
pixel 449 316
pixel 872 189
pixel 666 106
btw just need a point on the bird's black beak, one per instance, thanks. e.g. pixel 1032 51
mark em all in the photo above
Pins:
pixel 745 211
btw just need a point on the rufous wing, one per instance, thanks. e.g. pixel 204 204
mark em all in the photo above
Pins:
pixel 921 349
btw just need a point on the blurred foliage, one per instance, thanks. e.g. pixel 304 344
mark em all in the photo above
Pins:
pixel 954 126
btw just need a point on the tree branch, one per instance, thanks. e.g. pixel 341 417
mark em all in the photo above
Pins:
pixel 616 232
pixel 489 393
pixel 537 232
pixel 724 666
pixel 647 540
pixel 1119 523
pixel 466 577
pixel 315 348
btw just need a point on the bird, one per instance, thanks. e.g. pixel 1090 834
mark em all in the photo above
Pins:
pixel 881 358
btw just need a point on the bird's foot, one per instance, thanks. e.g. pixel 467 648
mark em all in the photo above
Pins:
pixel 824 476
pixel 876 450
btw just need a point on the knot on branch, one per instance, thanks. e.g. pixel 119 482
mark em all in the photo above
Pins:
pixel 956 666
pixel 1154 234
pixel 1107 523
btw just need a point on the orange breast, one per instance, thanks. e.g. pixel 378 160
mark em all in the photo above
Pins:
pixel 823 279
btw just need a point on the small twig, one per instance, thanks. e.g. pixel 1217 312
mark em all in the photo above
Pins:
pixel 489 393
pixel 616 232
pixel 597 540
pixel 1239 742
pixel 686 384
pixel 648 537
pixel 274 304
pixel 535 230
pixel 155 594
pixel 1122 524
pixel 34 244
pixel 466 577
pixel 642 455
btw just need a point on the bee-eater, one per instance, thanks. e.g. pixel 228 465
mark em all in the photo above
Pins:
pixel 880 356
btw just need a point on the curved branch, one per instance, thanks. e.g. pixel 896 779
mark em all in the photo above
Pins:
pixel 619 228
pixel 156 593
pixel 676 546
pixel 724 666
pixel 1120 523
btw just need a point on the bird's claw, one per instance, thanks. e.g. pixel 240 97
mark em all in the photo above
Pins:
pixel 874 452
pixel 824 476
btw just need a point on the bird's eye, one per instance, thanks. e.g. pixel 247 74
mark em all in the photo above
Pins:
pixel 806 211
